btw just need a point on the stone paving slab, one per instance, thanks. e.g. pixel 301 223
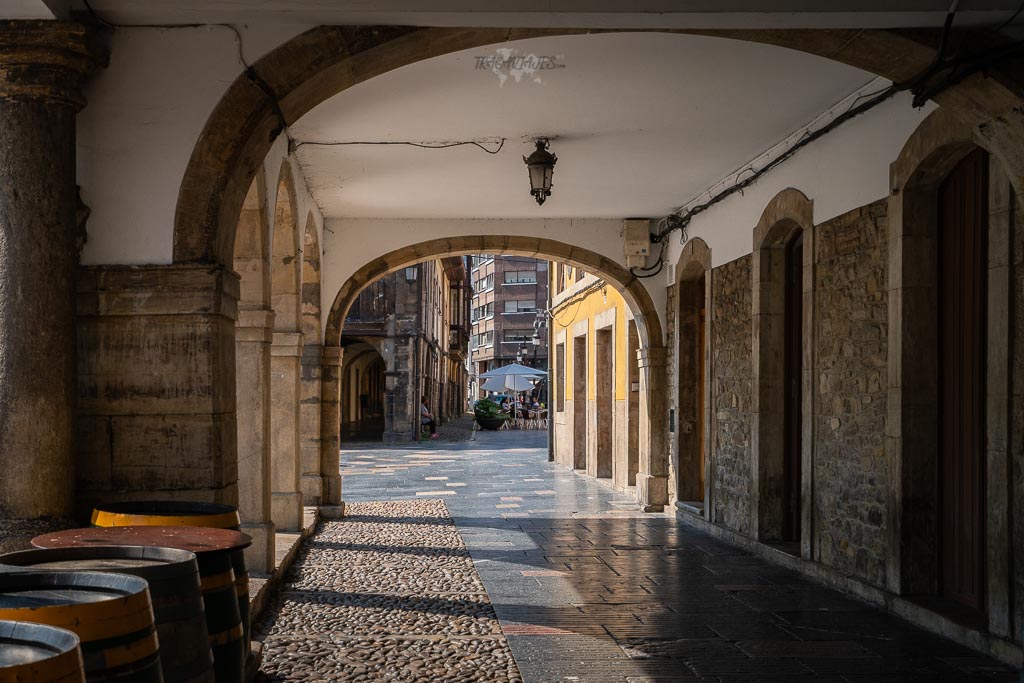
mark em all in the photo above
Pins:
pixel 587 589
pixel 388 593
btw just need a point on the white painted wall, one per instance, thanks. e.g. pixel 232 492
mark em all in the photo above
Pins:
pixel 145 112
pixel 845 169
pixel 840 172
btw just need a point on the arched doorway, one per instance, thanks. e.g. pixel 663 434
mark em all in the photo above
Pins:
pixel 362 392
pixel 963 271
pixel 783 296
pixel 948 518
pixel 692 291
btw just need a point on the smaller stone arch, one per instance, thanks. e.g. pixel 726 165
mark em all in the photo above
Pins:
pixel 693 291
pixel 286 362
pixel 251 248
pixel 782 409
pixel 285 266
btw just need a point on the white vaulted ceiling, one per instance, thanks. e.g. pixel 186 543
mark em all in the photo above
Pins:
pixel 641 122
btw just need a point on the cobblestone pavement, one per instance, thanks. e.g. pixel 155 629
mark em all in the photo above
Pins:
pixel 586 588
pixel 390 593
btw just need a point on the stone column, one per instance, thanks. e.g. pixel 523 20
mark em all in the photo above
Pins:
pixel 331 504
pixel 42 67
pixel 311 483
pixel 285 388
pixel 652 479
pixel 254 335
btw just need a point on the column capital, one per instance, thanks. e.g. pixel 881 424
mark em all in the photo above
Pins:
pixel 47 61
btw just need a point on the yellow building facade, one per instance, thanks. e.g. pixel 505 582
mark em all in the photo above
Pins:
pixel 595 384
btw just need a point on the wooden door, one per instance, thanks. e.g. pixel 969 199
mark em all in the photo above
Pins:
pixel 963 262
pixel 793 373
pixel 701 350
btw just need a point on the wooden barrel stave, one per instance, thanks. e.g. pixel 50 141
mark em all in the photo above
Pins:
pixel 174 587
pixel 110 613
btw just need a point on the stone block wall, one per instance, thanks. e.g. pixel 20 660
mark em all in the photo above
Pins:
pixel 732 393
pixel 850 471
pixel 156 376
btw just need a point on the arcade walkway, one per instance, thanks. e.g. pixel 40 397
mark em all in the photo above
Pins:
pixel 584 588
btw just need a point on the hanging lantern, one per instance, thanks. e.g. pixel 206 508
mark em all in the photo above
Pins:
pixel 541 165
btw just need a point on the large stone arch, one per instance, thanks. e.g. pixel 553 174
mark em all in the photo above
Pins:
pixel 636 295
pixel 935 148
pixel 323 61
pixel 652 481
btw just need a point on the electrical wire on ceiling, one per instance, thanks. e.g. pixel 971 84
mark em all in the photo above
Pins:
pixel 424 145
pixel 949 67
pixel 250 73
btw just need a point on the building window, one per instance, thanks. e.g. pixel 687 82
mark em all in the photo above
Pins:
pixel 520 277
pixel 518 336
pixel 483 311
pixel 484 338
pixel 580 274
pixel 485 283
pixel 521 306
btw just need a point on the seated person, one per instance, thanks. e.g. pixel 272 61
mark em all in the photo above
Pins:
pixel 427 418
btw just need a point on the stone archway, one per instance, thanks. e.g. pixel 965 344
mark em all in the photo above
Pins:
pixel 325 60
pixel 286 357
pixel 693 290
pixel 652 479
pixel 912 444
pixel 781 463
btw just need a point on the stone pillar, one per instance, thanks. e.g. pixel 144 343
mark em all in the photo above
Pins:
pixel 285 388
pixel 42 67
pixel 330 431
pixel 311 483
pixel 652 479
pixel 156 385
pixel 254 335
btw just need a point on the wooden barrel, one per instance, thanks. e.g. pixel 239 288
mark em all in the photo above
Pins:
pixel 34 653
pixel 110 613
pixel 174 588
pixel 212 548
pixel 180 513
pixel 166 513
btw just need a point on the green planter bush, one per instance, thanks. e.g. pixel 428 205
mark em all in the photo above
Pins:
pixel 488 414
